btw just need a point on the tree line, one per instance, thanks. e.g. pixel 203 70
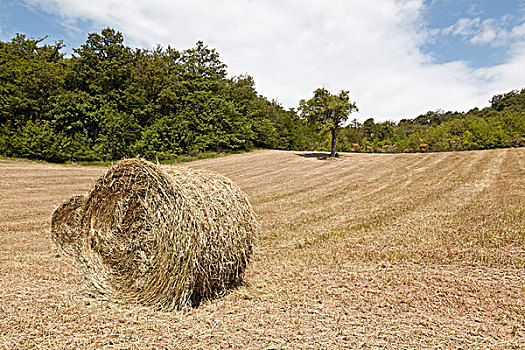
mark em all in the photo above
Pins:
pixel 500 125
pixel 107 101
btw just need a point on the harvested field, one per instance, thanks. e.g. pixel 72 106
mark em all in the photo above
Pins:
pixel 365 251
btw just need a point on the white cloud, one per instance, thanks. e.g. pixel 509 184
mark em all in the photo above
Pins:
pixel 370 47
pixel 463 27
pixel 486 32
pixel 518 32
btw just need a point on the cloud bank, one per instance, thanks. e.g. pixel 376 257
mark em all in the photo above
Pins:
pixel 370 47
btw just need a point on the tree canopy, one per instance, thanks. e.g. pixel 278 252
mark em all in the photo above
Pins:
pixel 107 101
pixel 328 111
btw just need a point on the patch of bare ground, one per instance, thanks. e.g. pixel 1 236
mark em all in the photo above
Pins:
pixel 365 251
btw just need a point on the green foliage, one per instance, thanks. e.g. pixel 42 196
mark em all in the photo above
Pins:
pixel 110 101
pixel 29 75
pixel 117 137
pixel 38 140
pixel 440 131
pixel 512 101
pixel 328 111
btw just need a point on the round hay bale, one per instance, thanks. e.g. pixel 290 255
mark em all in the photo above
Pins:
pixel 65 224
pixel 166 238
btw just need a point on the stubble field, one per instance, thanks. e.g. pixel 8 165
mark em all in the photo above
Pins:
pixel 365 251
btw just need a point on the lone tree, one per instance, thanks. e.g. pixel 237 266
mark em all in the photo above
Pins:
pixel 328 111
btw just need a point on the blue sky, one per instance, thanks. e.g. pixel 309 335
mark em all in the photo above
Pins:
pixel 399 58
pixel 20 17
pixel 441 14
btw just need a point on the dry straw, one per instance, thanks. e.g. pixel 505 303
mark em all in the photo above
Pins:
pixel 162 237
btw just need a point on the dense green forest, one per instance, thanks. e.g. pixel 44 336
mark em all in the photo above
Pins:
pixel 107 101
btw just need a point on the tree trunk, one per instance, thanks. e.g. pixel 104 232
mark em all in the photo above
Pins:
pixel 334 138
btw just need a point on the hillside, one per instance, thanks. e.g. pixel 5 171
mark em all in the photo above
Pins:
pixel 395 250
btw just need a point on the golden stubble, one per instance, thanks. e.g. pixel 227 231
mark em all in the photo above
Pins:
pixel 364 251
